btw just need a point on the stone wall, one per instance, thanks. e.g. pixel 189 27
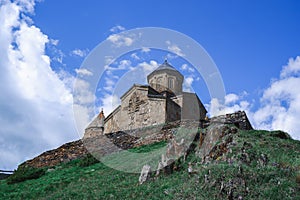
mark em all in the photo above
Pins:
pixel 173 111
pixel 140 107
pixel 160 81
pixel 91 132
pixel 239 119
pixel 112 121
pixel 192 108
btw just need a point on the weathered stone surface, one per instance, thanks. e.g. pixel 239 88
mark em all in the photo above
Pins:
pixel 159 102
pixel 208 148
pixel 178 146
pixel 145 174
pixel 64 153
pixel 239 119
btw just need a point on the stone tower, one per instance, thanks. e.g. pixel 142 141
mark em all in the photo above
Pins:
pixel 166 78
pixel 96 127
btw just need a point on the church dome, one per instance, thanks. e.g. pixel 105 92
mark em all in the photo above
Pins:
pixel 166 78
pixel 165 65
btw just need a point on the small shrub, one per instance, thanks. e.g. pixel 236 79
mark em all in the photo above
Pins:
pixel 24 173
pixel 87 161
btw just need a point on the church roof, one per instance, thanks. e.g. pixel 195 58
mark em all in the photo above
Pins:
pixel 165 65
pixel 98 121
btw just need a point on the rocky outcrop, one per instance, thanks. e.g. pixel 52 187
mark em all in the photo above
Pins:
pixel 215 141
pixel 178 146
pixel 101 145
pixel 239 119
pixel 64 153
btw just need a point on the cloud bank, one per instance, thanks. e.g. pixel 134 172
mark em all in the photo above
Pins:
pixel 36 105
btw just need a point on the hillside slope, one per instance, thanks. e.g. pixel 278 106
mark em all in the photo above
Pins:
pixel 239 165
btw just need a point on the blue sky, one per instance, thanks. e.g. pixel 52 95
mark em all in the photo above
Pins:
pixel 254 44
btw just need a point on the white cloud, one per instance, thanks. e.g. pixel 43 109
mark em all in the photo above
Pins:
pixel 79 52
pixel 57 54
pixel 54 42
pixel 109 103
pixel 124 64
pixel 121 40
pixel 36 105
pixel 281 102
pixel 82 93
pixel 231 98
pixel 146 49
pixel 232 103
pixel 26 5
pixel 83 72
pixel 109 84
pixel 83 115
pixel 148 67
pixel 292 69
pixel 117 29
pixel 108 59
pixel 135 56
pixel 279 107
pixel 121 65
pixel 184 67
pixel 174 49
pixel 187 84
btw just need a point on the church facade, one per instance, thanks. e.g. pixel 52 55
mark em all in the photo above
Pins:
pixel 159 102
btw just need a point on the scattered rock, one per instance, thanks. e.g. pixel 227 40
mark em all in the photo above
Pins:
pixel 145 174
pixel 50 170
pixel 263 160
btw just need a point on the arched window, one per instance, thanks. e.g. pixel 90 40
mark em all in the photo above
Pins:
pixel 170 83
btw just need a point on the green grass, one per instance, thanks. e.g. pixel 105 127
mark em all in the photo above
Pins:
pixel 86 179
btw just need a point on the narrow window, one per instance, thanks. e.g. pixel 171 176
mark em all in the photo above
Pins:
pixel 158 83
pixel 171 83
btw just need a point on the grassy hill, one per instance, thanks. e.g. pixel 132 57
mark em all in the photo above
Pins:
pixel 265 165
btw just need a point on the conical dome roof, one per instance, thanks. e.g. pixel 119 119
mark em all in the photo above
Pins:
pixel 165 66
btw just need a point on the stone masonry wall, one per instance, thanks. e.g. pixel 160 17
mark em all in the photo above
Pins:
pixel 137 110
pixel 239 119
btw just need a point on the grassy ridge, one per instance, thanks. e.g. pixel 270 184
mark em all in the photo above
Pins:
pixel 82 179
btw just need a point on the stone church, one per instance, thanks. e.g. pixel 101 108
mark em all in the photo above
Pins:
pixel 159 102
